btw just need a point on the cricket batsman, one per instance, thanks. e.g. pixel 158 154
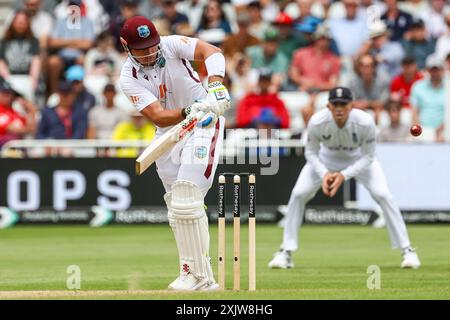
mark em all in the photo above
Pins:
pixel 340 146
pixel 160 82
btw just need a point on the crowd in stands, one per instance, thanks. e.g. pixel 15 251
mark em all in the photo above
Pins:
pixel 60 62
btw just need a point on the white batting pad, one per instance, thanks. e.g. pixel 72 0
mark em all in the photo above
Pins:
pixel 186 197
pixel 168 200
pixel 191 229
pixel 172 221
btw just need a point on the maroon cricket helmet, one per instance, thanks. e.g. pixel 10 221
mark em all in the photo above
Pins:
pixel 139 33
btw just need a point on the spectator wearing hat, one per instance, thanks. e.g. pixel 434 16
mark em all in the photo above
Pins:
pixel 288 40
pixel 214 25
pixel 65 121
pixel 307 25
pixel 258 26
pixel 237 43
pixel 402 83
pixel 268 55
pixel 105 117
pixel 416 44
pixel 443 43
pixel 305 29
pixel 305 19
pixel 128 9
pixel 397 21
pixel 83 98
pixel 304 32
pixel 396 131
pixel 20 63
pixel 316 68
pixel 70 45
pixel 251 106
pixel 388 54
pixel 428 101
pixel 370 86
pixel 14 125
pixel 136 128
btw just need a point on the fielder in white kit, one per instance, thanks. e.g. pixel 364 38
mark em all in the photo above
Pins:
pixel 161 83
pixel 341 145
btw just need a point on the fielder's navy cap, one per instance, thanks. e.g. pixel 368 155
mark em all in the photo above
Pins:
pixel 340 94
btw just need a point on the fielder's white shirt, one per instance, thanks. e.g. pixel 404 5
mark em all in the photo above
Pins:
pixel 176 85
pixel 349 149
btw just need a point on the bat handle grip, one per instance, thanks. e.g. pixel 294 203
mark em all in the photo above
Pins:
pixel 204 118
pixel 199 115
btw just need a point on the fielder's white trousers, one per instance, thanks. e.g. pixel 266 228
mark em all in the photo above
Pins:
pixel 373 179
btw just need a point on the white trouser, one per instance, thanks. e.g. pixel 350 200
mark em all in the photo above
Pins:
pixel 193 160
pixel 373 179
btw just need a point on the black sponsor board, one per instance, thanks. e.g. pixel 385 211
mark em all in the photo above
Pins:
pixel 62 184
pixel 106 191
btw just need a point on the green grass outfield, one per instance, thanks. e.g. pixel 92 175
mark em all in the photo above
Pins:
pixel 138 262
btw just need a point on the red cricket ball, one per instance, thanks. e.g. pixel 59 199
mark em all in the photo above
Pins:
pixel 416 130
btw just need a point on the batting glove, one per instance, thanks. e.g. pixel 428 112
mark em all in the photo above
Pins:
pixel 209 121
pixel 198 105
pixel 218 97
pixel 201 105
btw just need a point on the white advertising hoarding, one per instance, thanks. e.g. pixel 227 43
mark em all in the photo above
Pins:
pixel 418 176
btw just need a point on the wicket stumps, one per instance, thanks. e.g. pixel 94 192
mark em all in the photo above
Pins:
pixel 237 230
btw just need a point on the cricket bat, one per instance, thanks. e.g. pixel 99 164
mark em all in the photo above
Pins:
pixel 166 142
